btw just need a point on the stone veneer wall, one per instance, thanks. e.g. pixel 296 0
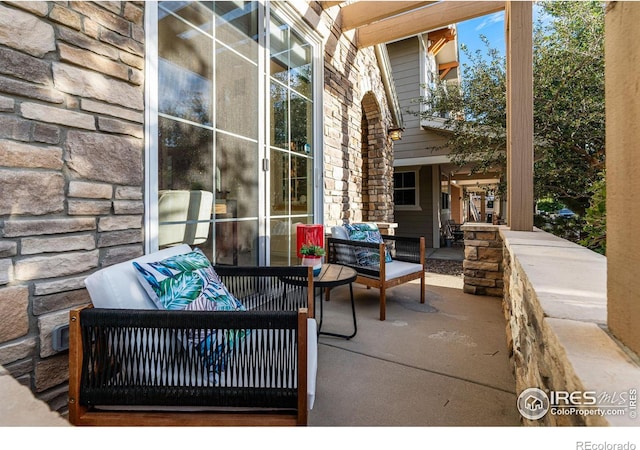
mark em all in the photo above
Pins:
pixel 555 306
pixel 483 260
pixel 71 169
pixel 352 88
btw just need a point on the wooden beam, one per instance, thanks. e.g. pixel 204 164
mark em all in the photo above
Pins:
pixel 449 65
pixel 363 12
pixel 445 68
pixel 327 5
pixel 438 15
pixel 519 40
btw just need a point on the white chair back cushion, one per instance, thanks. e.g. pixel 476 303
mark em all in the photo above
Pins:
pixel 339 232
pixel 118 287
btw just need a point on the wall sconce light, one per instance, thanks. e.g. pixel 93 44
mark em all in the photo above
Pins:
pixel 395 134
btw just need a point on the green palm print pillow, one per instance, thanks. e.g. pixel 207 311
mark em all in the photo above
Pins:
pixel 367 232
pixel 185 281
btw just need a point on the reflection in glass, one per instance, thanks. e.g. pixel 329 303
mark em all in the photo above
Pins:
pixel 301 185
pixel 300 64
pixel 237 26
pixel 282 242
pixel 279 50
pixel 302 127
pixel 237 184
pixel 185 70
pixel 236 243
pixel 279 116
pixel 185 158
pixel 236 94
pixel 280 187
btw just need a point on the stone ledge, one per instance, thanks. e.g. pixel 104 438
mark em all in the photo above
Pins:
pixel 569 285
pixel 570 281
pixel 20 408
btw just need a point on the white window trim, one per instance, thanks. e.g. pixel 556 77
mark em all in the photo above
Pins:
pixel 416 206
pixel 151 127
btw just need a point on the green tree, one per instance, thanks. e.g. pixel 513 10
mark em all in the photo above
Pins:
pixel 568 104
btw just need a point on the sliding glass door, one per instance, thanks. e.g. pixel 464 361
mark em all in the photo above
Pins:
pixel 235 132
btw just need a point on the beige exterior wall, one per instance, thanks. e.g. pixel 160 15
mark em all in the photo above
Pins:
pixel 622 73
pixel 419 223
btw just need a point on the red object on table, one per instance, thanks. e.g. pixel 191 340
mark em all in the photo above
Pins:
pixel 309 234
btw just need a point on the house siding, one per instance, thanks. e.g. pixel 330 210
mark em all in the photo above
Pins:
pixel 419 223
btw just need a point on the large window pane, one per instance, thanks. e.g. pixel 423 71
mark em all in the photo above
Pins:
pixel 237 94
pixel 279 116
pixel 185 156
pixel 185 69
pixel 237 175
pixel 301 124
pixel 213 134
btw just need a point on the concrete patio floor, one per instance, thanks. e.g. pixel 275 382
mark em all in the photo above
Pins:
pixel 442 363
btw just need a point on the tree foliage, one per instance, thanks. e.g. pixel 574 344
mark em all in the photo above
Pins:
pixel 568 104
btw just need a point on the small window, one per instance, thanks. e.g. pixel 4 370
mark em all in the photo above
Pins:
pixel 445 200
pixel 405 188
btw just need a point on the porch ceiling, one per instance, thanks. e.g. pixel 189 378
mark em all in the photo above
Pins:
pixel 388 21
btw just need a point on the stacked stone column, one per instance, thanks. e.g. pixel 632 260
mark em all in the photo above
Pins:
pixel 483 262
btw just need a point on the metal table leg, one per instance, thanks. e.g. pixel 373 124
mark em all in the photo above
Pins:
pixel 353 310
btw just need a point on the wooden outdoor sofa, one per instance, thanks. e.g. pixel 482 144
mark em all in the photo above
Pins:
pixel 407 253
pixel 130 364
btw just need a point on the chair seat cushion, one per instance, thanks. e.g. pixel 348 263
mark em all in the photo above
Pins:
pixel 400 269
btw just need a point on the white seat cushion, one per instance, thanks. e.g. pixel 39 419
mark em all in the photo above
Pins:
pixel 117 286
pixel 400 269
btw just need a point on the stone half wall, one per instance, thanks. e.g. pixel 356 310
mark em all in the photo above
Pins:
pixel 358 153
pixel 71 169
pixel 555 308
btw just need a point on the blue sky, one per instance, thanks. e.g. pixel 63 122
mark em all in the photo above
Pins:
pixel 491 26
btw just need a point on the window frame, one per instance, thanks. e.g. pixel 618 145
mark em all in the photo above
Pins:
pixel 416 206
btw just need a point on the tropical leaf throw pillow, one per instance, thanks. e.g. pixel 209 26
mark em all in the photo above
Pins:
pixel 186 281
pixel 367 232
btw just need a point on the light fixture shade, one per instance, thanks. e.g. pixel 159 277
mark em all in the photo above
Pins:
pixel 395 134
